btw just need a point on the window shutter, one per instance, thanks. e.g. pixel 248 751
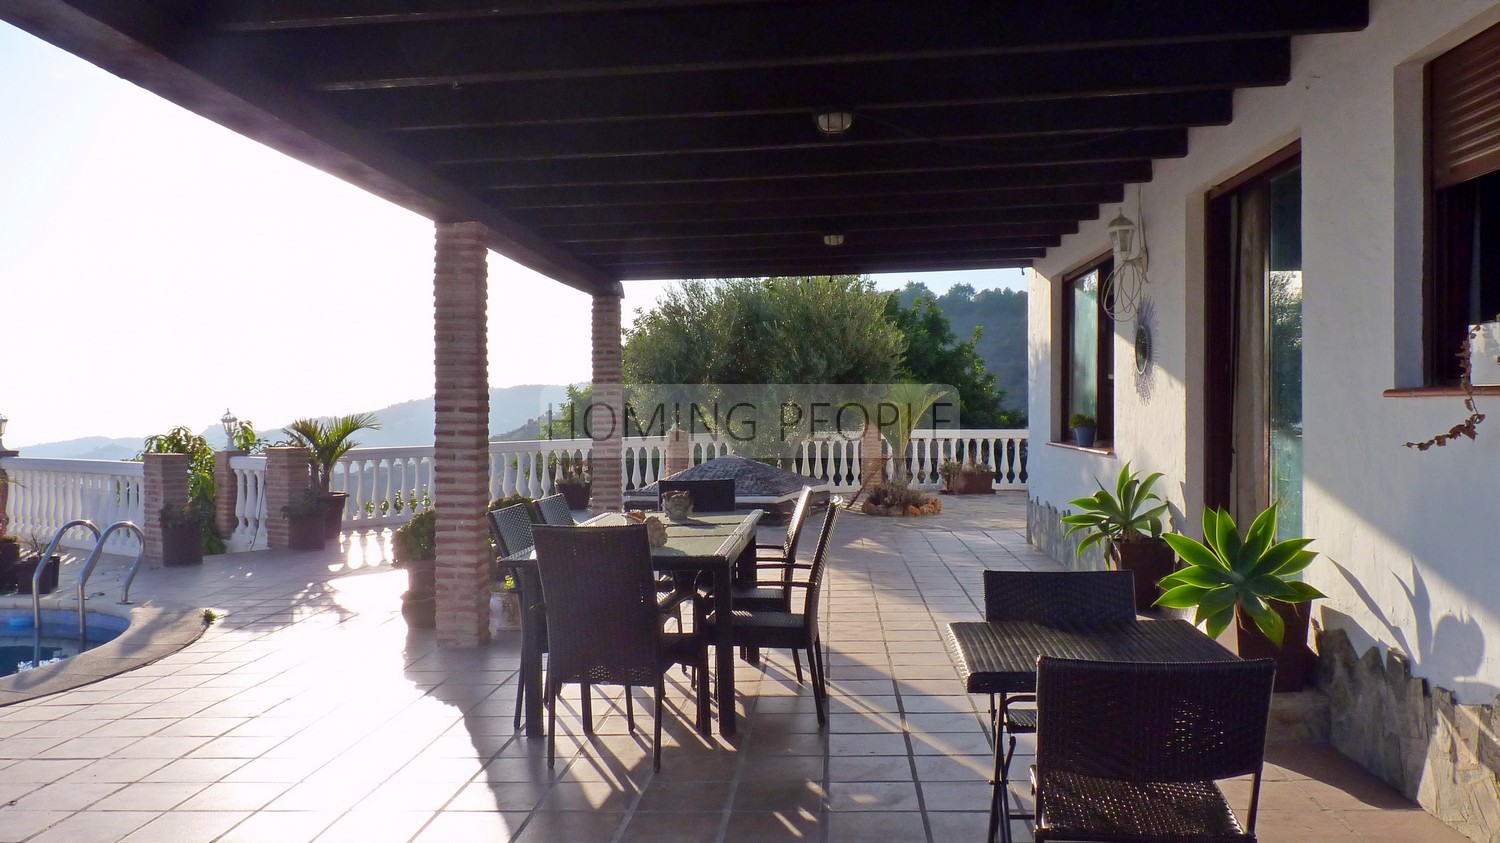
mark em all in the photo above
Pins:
pixel 1465 110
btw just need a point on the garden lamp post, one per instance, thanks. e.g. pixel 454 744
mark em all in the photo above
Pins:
pixel 3 421
pixel 231 427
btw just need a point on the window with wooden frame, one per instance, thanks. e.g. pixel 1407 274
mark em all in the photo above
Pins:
pixel 1086 355
pixel 1463 209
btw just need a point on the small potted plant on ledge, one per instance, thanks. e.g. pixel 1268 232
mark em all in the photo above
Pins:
pixel 182 533
pixel 306 521
pixel 573 482
pixel 1130 526
pixel 1084 427
pixel 1248 580
pixel 415 548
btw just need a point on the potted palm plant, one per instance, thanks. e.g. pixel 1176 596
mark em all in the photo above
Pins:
pixel 415 548
pixel 328 441
pixel 1128 521
pixel 306 517
pixel 182 528
pixel 1250 581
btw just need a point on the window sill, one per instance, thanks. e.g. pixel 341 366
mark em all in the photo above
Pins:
pixel 1104 450
pixel 1437 391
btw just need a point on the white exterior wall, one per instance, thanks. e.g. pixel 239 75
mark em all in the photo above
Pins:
pixel 1410 541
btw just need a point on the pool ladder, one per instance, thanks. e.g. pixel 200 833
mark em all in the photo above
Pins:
pixel 88 569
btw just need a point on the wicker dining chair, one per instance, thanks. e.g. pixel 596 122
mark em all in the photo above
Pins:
pixel 708 495
pixel 555 511
pixel 603 623
pixel 1134 750
pixel 776 566
pixel 796 631
pixel 510 526
pixel 1097 597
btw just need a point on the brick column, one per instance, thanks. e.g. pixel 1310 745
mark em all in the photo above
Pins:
pixel 606 419
pixel 460 464
pixel 288 474
pixel 679 454
pixel 165 482
pixel 226 493
pixel 871 456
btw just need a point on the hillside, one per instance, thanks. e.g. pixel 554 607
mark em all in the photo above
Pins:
pixel 1002 315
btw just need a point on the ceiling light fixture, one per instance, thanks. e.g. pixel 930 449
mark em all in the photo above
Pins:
pixel 834 123
pixel 833 240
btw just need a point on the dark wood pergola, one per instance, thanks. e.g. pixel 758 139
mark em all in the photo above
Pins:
pixel 598 141
pixel 601 140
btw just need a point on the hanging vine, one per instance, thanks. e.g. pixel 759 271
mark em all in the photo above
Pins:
pixel 1468 428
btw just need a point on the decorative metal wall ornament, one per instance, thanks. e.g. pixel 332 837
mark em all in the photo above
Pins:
pixel 1145 348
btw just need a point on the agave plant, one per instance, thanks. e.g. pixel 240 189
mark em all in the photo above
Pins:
pixel 1230 573
pixel 329 440
pixel 1119 517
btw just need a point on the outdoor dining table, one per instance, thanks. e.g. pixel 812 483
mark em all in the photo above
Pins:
pixel 707 543
pixel 999 657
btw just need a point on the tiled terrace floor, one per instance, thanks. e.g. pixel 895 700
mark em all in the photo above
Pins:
pixel 308 713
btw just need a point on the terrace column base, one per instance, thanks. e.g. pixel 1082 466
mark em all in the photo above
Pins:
pixel 165 481
pixel 288 474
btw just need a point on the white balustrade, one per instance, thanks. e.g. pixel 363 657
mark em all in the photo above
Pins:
pixel 45 494
pixel 249 503
pixel 387 486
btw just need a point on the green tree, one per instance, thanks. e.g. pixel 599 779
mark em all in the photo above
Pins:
pixel 1003 345
pixel 934 355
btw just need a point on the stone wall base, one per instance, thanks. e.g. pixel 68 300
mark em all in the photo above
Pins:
pixel 1439 753
pixel 1045 530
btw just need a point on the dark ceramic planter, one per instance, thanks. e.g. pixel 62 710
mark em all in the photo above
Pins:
pixel 181 545
pixel 1085 435
pixel 1149 560
pixel 1295 661
pixel 419 610
pixel 306 532
pixel 576 494
pixel 24 570
pixel 972 483
pixel 334 513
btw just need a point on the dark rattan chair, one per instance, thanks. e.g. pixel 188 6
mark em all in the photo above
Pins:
pixel 796 631
pixel 708 495
pixel 1048 597
pixel 776 566
pixel 510 526
pixel 555 511
pixel 1134 751
pixel 603 624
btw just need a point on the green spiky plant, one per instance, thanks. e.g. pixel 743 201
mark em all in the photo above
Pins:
pixel 1230 573
pixel 328 441
pixel 1124 516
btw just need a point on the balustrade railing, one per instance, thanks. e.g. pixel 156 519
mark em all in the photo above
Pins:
pixel 45 494
pixel 387 486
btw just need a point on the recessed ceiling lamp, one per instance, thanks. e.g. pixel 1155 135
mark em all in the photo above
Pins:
pixel 833 240
pixel 833 123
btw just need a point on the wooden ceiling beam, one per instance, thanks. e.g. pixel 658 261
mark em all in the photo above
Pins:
pixel 832 210
pixel 805 91
pixel 828 161
pixel 1021 234
pixel 813 246
pixel 831 266
pixel 412 52
pixel 957 124
pixel 880 219
pixel 818 252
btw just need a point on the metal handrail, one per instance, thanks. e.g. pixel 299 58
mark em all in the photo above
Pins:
pixel 41 565
pixel 88 568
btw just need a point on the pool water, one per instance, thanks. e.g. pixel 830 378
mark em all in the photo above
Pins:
pixel 19 642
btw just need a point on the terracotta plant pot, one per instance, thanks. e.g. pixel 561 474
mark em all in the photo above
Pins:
pixel 419 610
pixel 1149 560
pixel 181 545
pixel 972 483
pixel 576 494
pixel 334 514
pixel 307 532
pixel 1295 661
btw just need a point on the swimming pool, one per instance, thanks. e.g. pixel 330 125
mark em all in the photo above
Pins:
pixel 21 643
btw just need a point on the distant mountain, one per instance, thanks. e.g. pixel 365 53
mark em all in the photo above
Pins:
pixel 407 423
pixel 1002 316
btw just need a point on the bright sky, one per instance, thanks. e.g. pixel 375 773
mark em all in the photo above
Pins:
pixel 158 268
